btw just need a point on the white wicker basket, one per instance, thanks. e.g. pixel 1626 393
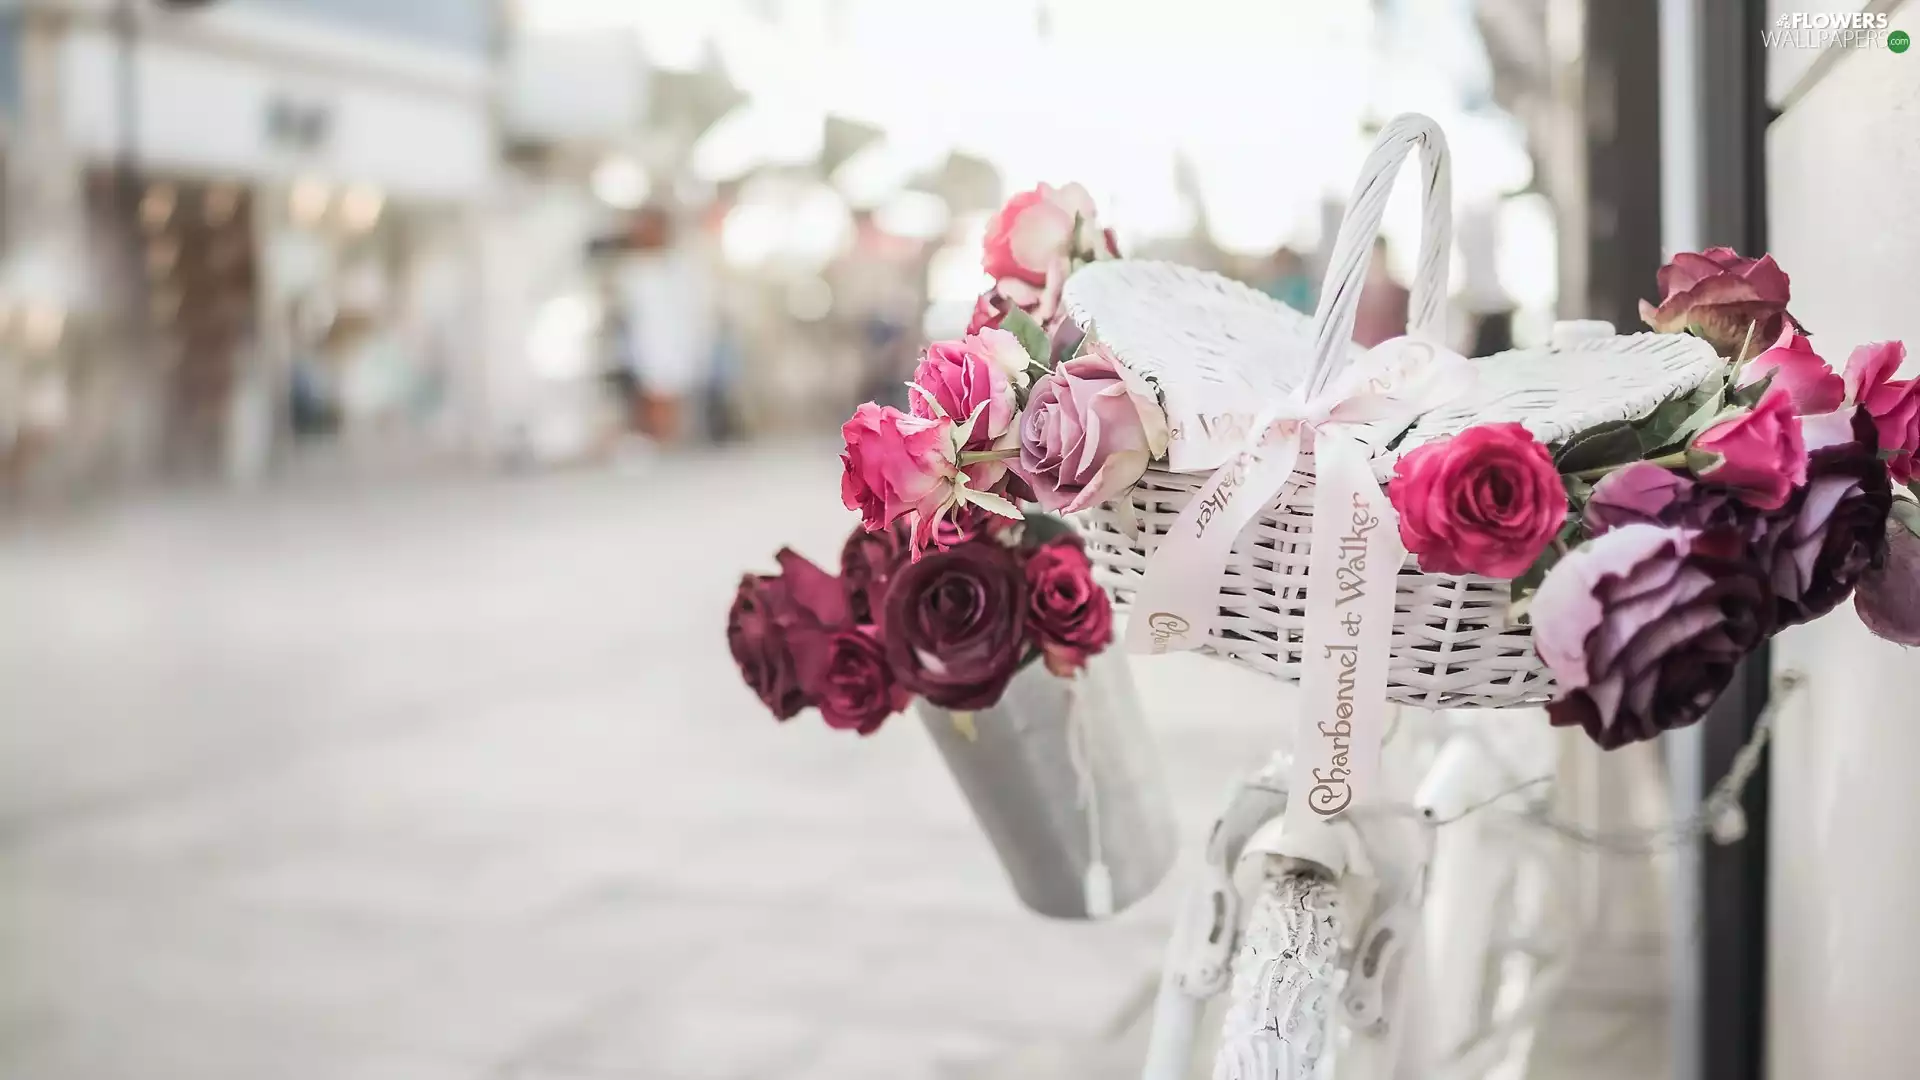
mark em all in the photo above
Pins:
pixel 1210 343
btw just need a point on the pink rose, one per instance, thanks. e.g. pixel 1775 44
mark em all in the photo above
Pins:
pixel 958 377
pixel 1486 501
pixel 1038 227
pixel 1760 455
pixel 1090 428
pixel 1042 301
pixel 1894 405
pixel 896 464
pixel 1720 294
pixel 1816 388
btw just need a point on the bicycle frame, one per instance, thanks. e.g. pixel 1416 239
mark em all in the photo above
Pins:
pixel 1410 996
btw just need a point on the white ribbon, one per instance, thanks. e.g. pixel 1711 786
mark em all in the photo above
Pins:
pixel 1353 562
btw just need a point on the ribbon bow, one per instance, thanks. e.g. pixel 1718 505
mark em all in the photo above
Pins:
pixel 1354 557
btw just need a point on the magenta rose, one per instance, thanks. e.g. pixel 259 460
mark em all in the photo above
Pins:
pixel 956 624
pixel 1643 628
pixel 1888 599
pixel 1830 533
pixel 769 615
pixel 1486 501
pixel 1037 228
pixel 846 675
pixel 895 464
pixel 1090 429
pixel 1718 294
pixel 1815 387
pixel 1760 454
pixel 1893 404
pixel 1069 614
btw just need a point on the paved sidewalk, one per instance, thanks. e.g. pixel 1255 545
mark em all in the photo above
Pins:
pixel 457 781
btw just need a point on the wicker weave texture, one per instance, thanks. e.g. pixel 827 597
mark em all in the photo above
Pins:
pixel 1219 352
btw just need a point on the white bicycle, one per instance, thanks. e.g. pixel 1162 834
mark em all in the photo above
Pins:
pixel 1422 939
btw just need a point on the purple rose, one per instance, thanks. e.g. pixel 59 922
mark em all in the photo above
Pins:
pixel 1644 626
pixel 956 624
pixel 1646 494
pixel 1888 599
pixel 1089 430
pixel 1831 531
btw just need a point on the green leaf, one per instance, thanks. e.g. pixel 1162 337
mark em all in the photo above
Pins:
pixel 1032 338
pixel 1042 528
pixel 1520 596
pixel 1748 396
pixel 1578 491
pixel 1709 406
pixel 1612 443
pixel 1889 455
pixel 987 500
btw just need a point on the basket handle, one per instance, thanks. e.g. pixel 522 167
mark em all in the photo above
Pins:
pixel 1347 270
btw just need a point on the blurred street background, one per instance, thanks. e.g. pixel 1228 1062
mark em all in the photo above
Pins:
pixel 393 391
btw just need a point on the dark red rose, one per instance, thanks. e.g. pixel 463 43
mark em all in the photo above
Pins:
pixel 867 565
pixel 846 675
pixel 769 616
pixel 761 648
pixel 1832 530
pixel 1718 293
pixel 956 624
pixel 1069 614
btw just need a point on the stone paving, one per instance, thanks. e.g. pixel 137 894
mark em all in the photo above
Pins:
pixel 455 780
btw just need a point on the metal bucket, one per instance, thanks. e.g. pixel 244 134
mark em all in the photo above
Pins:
pixel 1063 777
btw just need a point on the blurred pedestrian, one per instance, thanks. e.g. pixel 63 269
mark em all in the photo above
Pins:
pixel 667 298
pixel 1286 278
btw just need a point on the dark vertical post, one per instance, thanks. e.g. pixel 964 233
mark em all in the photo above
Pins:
pixel 1731 947
pixel 1623 156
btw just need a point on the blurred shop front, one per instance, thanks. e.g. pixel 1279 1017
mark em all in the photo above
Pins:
pixel 276 224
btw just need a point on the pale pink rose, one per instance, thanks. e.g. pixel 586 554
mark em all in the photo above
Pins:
pixel 1004 352
pixel 1035 228
pixel 1760 455
pixel 1090 429
pixel 1815 387
pixel 896 464
pixel 1893 404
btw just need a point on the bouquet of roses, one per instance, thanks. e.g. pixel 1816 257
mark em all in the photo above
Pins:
pixel 1651 555
pixel 952 627
pixel 1023 409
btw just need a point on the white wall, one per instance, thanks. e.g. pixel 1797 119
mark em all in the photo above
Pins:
pixel 1844 890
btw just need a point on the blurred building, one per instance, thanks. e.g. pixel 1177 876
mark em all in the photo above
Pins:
pixel 239 226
